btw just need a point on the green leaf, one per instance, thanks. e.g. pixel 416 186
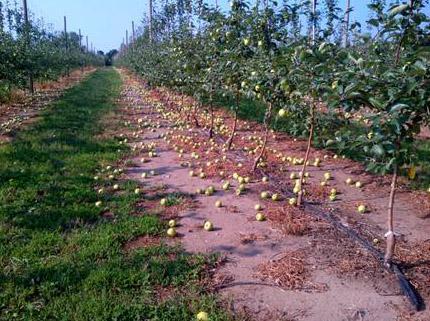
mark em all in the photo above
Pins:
pixel 378 150
pixel 376 103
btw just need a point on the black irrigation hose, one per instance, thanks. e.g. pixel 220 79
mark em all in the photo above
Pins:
pixel 407 288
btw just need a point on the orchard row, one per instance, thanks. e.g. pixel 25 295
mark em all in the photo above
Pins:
pixel 366 93
pixel 29 51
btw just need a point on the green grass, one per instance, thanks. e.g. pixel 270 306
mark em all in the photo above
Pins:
pixel 60 259
pixel 254 110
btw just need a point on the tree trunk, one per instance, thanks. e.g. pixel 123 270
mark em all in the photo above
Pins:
pixel 311 133
pixel 267 118
pixel 391 238
pixel 233 132
pixel 196 121
pixel 211 107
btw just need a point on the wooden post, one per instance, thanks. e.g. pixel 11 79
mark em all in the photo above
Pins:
pixel 66 39
pixel 346 24
pixel 150 21
pixel 28 41
pixel 80 49
pixel 314 20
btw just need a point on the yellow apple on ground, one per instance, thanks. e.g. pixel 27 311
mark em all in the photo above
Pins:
pixel 275 197
pixel 260 217
pixel 247 180
pixel 202 316
pixel 361 209
pixel 349 181
pixel 163 201
pixel 282 112
pixel 171 232
pixel 208 226
pixel 99 203
pixel 218 204
pixel 265 179
pixel 191 173
pixel 264 195
pixel 323 183
pixel 292 201
pixel 101 190
pixel 258 207
pixel 332 197
pixel 358 184
pixel 116 186
pixel 137 191
pixel 333 191
pixel 226 186
pixel 172 223
pixel 327 176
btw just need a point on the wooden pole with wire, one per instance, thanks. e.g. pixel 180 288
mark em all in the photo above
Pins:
pixel 28 42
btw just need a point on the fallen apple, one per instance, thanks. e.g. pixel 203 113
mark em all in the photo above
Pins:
pixel 327 176
pixel 163 201
pixel 137 191
pixel 358 184
pixel 292 201
pixel 171 232
pixel 265 179
pixel 172 223
pixel 361 209
pixel 208 226
pixel 99 203
pixel 264 195
pixel 332 197
pixel 349 181
pixel 218 204
pixel 260 217
pixel 202 316
pixel 275 197
pixel 258 207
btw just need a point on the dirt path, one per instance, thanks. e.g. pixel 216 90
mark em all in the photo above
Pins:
pixel 268 273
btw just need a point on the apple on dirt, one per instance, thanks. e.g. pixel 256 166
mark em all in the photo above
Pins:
pixel 137 191
pixel 171 232
pixel 349 181
pixel 276 197
pixel 292 201
pixel 218 204
pixel 208 226
pixel 264 195
pixel 260 217
pixel 358 184
pixel 163 201
pixel 265 179
pixel 327 176
pixel 258 207
pixel 172 223
pixel 361 209
pixel 99 203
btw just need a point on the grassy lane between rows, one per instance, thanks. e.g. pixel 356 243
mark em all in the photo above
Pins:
pixel 60 259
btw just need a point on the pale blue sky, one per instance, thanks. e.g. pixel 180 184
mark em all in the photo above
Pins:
pixel 105 21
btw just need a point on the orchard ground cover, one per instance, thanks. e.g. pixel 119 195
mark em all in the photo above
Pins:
pixel 23 108
pixel 293 249
pixel 74 245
